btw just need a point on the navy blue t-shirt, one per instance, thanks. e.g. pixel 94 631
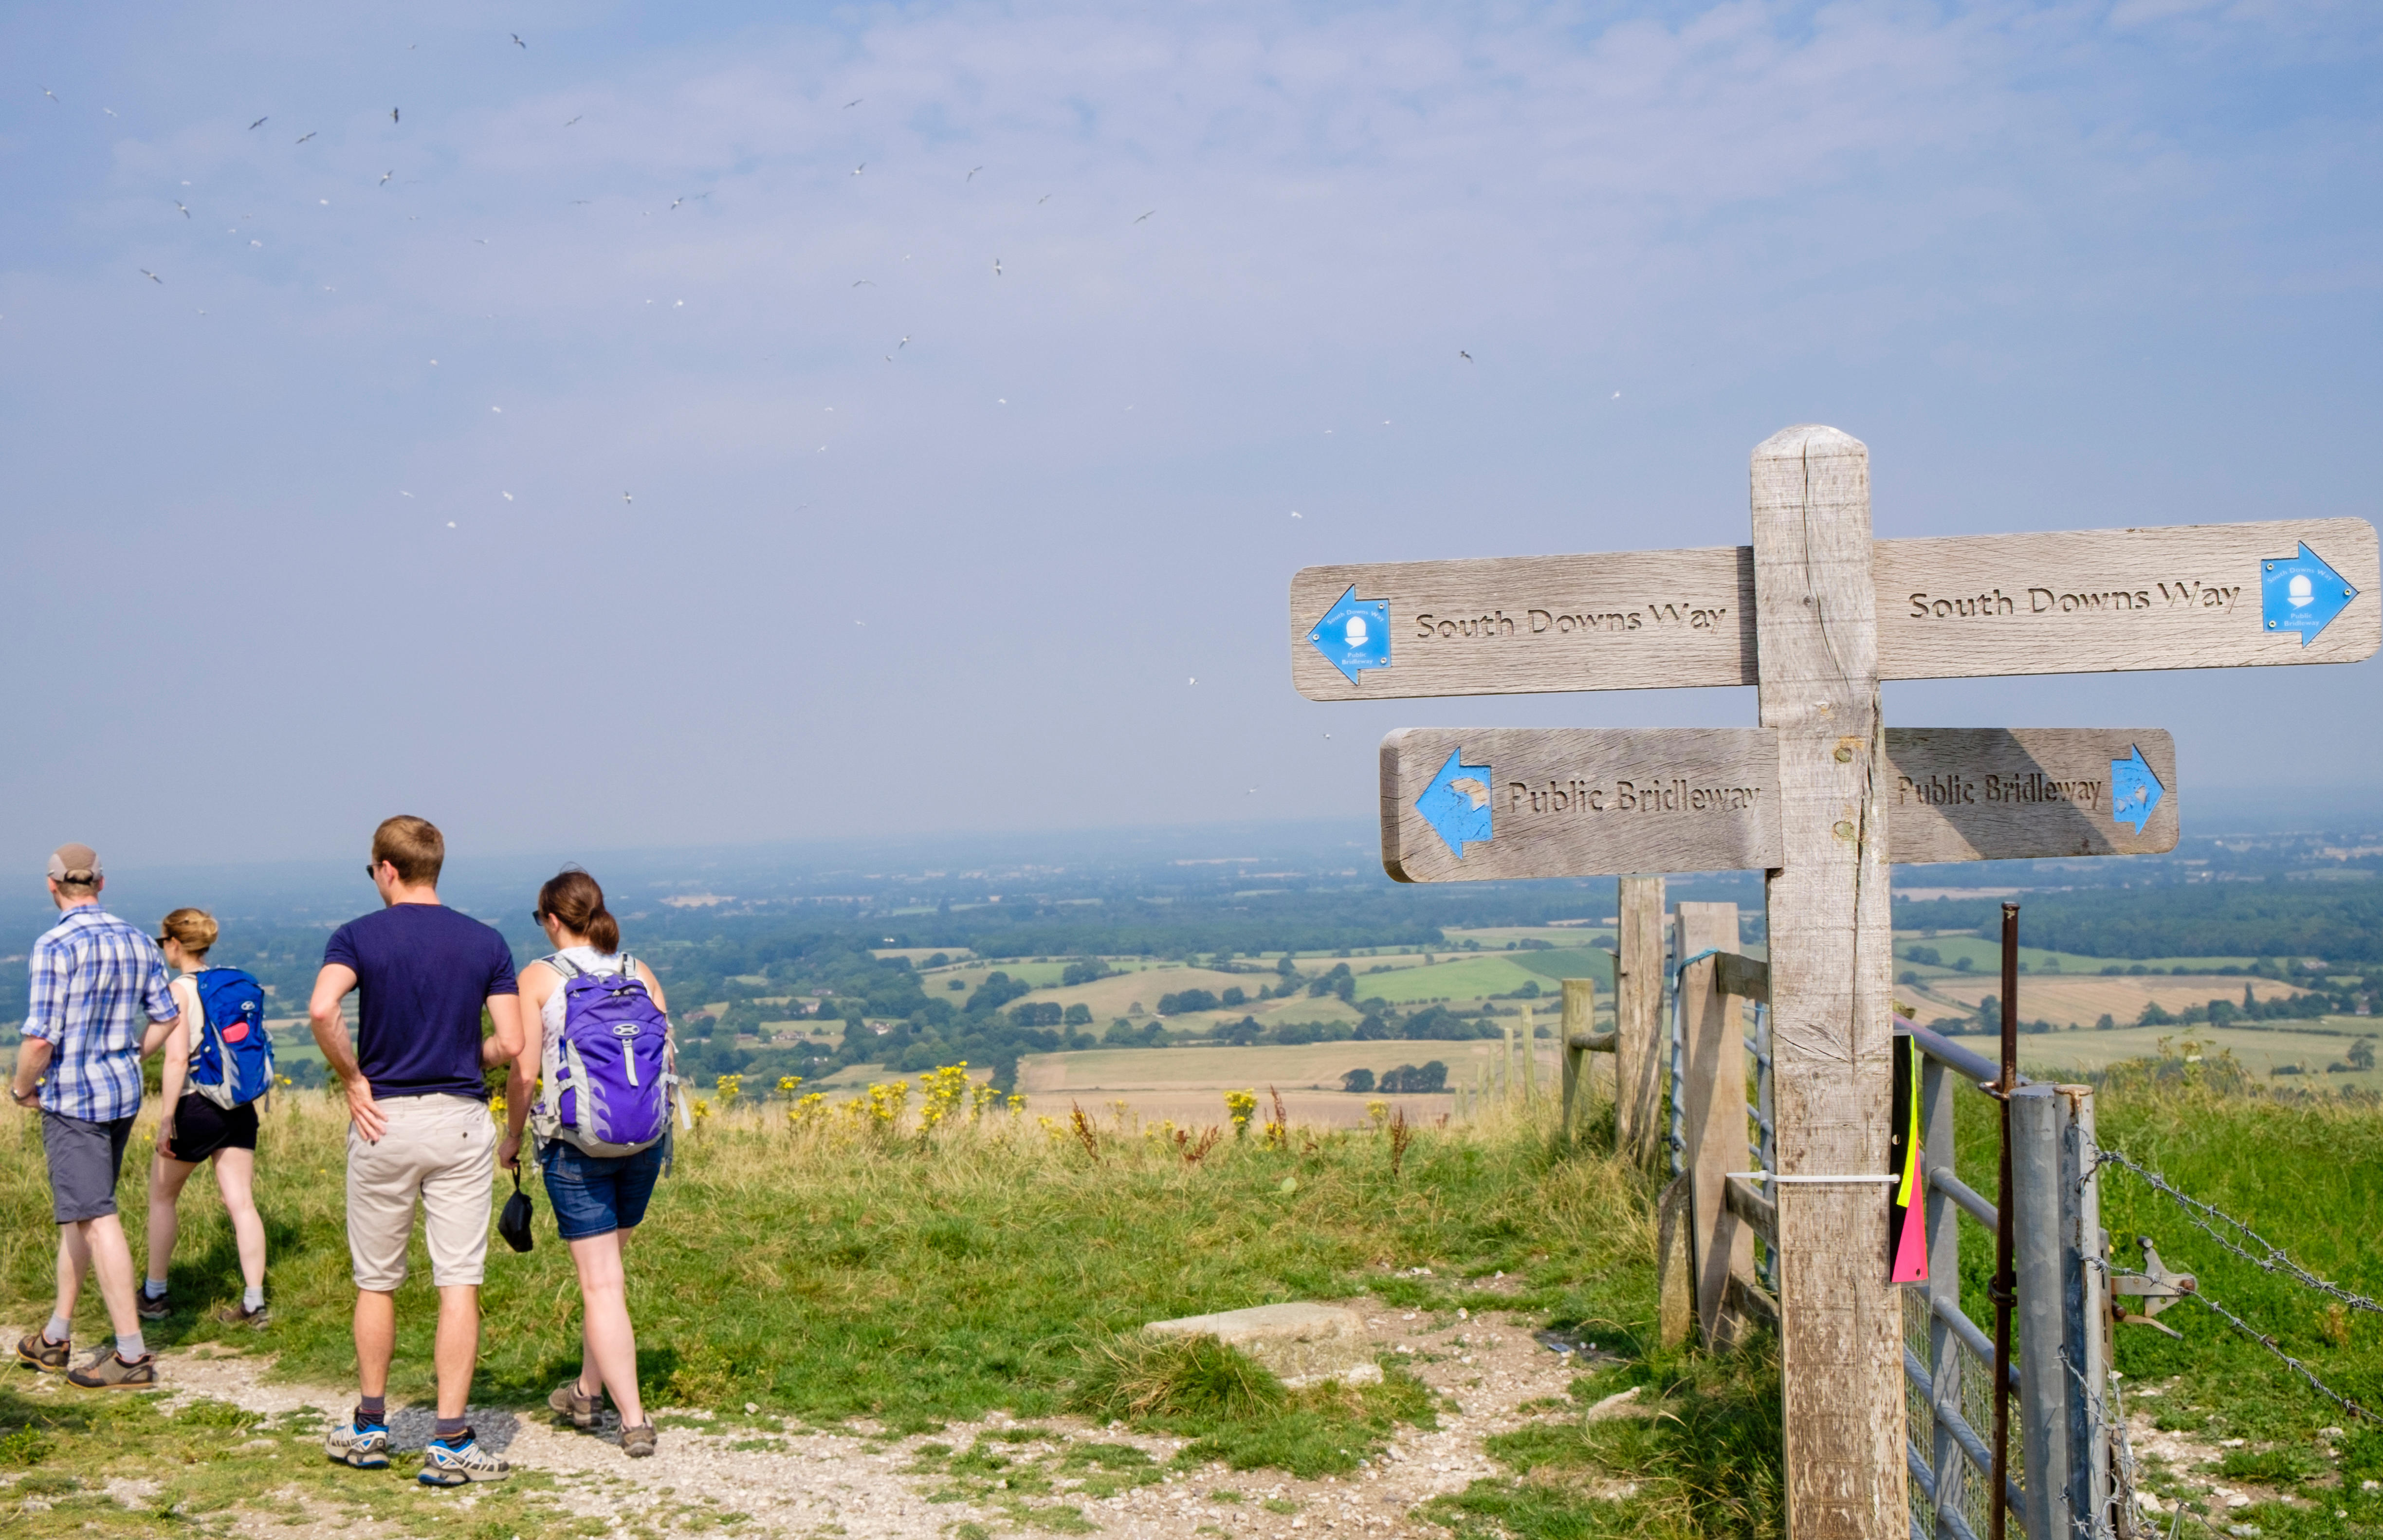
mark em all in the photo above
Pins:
pixel 423 972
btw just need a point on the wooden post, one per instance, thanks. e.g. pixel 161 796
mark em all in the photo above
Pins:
pixel 1530 1056
pixel 1579 1019
pixel 1714 1039
pixel 1638 1046
pixel 1831 981
pixel 1674 1294
pixel 1505 1062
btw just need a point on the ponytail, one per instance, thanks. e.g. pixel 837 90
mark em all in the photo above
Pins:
pixel 573 899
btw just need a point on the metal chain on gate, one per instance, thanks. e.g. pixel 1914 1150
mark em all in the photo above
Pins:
pixel 2201 1213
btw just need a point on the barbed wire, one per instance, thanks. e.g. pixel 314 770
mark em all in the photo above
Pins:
pixel 2201 1214
pixel 2263 1340
pixel 2110 1425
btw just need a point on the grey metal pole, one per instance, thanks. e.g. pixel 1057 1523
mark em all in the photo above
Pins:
pixel 2086 1329
pixel 1999 1291
pixel 2039 1126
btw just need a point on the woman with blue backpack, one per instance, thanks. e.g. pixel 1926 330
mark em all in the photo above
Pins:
pixel 598 1102
pixel 218 1065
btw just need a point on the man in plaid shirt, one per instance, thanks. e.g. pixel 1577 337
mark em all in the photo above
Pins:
pixel 100 1003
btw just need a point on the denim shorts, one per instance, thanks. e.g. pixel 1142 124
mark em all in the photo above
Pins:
pixel 593 1195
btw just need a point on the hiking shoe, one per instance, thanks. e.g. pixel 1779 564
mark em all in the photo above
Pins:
pixel 50 1358
pixel 364 1445
pixel 446 1464
pixel 156 1309
pixel 567 1401
pixel 238 1314
pixel 638 1442
pixel 109 1370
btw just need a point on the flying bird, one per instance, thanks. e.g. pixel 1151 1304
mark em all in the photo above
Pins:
pixel 111 112
pixel 258 124
pixel 903 343
pixel 311 133
pixel 183 207
pixel 385 177
pixel 1294 513
pixel 996 267
pixel 392 115
pixel 575 120
pixel 858 170
pixel 972 171
pixel 854 102
pixel 1042 199
pixel 1462 354
pixel 509 497
pixel 518 42
pixel 858 282
pixel 151 277
pixel 674 202
pixel 626 498
pixel 1145 216
pixel 52 95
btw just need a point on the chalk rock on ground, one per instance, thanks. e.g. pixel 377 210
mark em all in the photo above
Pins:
pixel 1302 1343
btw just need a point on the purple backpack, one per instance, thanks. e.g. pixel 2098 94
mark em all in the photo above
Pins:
pixel 608 1072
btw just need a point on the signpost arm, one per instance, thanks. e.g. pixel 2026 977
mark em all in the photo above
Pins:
pixel 1831 981
pixel 1638 1021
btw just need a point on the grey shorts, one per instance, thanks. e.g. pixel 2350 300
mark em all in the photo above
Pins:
pixel 85 1159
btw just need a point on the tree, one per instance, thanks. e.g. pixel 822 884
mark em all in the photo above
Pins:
pixel 2362 1053
pixel 1084 970
pixel 1241 1033
pixel 1079 1014
pixel 1357 1082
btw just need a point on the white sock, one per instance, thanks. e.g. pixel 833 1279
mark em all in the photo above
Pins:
pixel 252 1298
pixel 153 1287
pixel 129 1346
pixel 59 1330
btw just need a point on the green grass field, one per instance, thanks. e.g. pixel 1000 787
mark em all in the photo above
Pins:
pixel 1986 957
pixel 843 1269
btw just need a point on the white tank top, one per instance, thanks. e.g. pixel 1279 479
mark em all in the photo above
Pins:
pixel 587 959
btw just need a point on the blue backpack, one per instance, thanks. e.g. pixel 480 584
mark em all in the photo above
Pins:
pixel 232 1063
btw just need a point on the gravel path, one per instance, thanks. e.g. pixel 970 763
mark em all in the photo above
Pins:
pixel 858 1482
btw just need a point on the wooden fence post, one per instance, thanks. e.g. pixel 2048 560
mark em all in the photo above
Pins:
pixel 1713 1038
pixel 1832 985
pixel 1639 1050
pixel 1579 1019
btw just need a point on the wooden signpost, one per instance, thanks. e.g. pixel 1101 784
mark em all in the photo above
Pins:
pixel 1821 797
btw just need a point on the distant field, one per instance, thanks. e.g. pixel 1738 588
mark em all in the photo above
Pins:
pixel 1986 957
pixel 2261 1051
pixel 1479 975
pixel 1570 963
pixel 1312 1065
pixel 2051 997
pixel 1558 935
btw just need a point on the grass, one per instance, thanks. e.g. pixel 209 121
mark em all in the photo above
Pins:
pixel 902 1282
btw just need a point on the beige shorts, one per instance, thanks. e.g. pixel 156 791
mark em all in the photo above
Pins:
pixel 442 1150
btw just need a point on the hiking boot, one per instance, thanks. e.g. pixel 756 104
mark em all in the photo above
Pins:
pixel 238 1314
pixel 109 1370
pixel 583 1411
pixel 364 1445
pixel 50 1358
pixel 156 1309
pixel 453 1464
pixel 638 1442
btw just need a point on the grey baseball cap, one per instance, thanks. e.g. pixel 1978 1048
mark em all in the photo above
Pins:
pixel 74 863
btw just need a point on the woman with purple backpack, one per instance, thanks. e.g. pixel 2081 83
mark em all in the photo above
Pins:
pixel 598 1101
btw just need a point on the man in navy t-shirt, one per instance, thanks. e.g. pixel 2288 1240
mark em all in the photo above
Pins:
pixel 419 1128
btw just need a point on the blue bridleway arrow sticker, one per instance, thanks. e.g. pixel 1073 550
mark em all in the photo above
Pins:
pixel 1456 804
pixel 2300 593
pixel 1354 633
pixel 2135 789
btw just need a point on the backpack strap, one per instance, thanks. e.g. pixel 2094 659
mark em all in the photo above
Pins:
pixel 563 965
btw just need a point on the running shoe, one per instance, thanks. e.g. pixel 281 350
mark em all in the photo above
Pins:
pixel 453 1464
pixel 107 1368
pixel 362 1445
pixel 50 1358
pixel 582 1411
pixel 156 1309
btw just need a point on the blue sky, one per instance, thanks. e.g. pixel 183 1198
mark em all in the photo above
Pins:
pixel 767 570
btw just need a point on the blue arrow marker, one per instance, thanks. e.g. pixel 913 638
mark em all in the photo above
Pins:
pixel 1354 633
pixel 1456 804
pixel 2135 789
pixel 2300 593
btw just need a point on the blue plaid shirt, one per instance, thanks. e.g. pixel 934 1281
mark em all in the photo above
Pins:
pixel 95 980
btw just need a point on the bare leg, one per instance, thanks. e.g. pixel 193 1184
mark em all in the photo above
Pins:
pixel 235 1179
pixel 458 1351
pixel 166 1178
pixel 611 1342
pixel 111 1258
pixel 375 1339
pixel 74 1261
